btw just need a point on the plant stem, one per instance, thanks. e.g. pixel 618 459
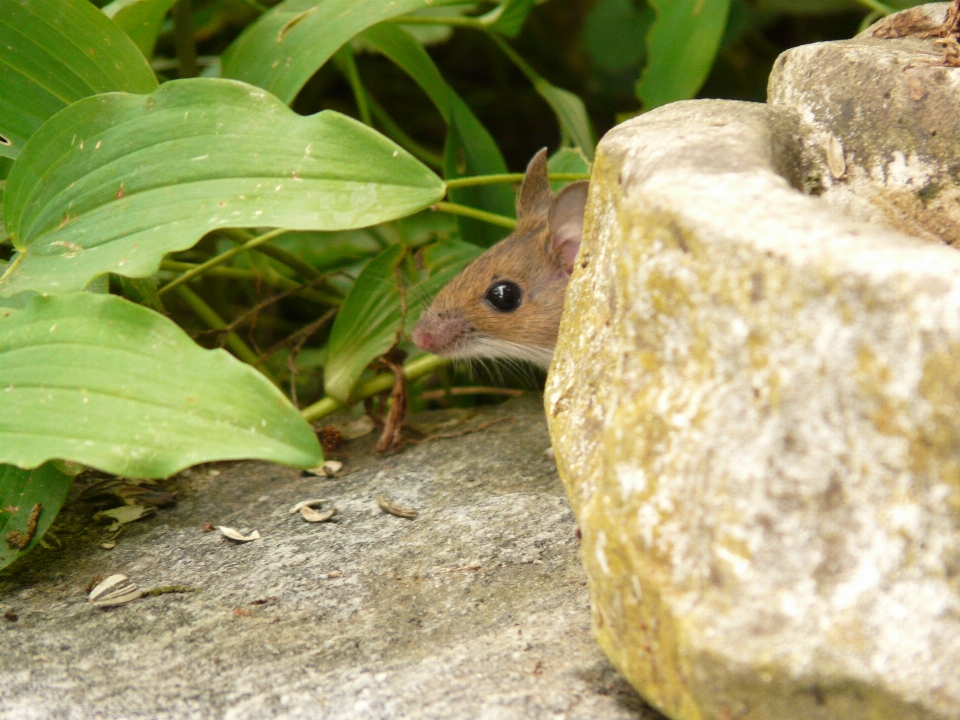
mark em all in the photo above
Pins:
pixel 348 66
pixel 492 218
pixel 509 178
pixel 12 266
pixel 413 370
pixel 278 281
pixel 397 134
pixel 304 269
pixel 222 258
pixel 183 39
pixel 877 6
pixel 215 322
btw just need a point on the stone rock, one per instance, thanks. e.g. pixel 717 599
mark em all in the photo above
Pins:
pixel 755 407
pixel 475 609
pixel 880 139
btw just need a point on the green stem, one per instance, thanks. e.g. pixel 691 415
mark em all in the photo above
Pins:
pixel 220 259
pixel 12 266
pixel 278 281
pixel 509 178
pixel 413 370
pixel 183 39
pixel 397 134
pixel 492 218
pixel 348 66
pixel 877 6
pixel 215 322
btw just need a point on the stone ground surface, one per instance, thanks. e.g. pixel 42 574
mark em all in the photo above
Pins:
pixel 478 608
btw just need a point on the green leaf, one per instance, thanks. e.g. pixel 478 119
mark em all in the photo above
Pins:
pixel 566 160
pixel 115 181
pixel 369 323
pixel 575 126
pixel 98 380
pixel 140 20
pixel 470 149
pixel 614 34
pixel 20 491
pixel 56 52
pixel 288 44
pixel 681 47
pixel 508 19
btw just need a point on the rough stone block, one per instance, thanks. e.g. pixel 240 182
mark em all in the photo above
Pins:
pixel 755 406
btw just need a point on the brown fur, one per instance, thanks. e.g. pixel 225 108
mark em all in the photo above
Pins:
pixel 461 323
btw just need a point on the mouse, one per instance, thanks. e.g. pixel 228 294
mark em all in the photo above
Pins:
pixel 507 302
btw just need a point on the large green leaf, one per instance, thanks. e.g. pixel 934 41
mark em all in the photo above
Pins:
pixel 107 383
pixel 115 181
pixel 140 20
pixel 681 46
pixel 369 323
pixel 470 149
pixel 288 44
pixel 20 491
pixel 55 52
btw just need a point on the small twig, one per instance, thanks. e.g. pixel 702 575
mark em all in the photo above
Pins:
pixel 168 589
pixel 466 431
pixel 440 394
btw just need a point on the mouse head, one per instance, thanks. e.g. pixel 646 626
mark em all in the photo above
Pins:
pixel 507 303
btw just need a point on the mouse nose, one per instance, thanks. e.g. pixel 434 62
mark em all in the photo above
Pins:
pixel 423 339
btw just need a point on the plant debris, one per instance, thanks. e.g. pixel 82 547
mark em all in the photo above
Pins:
pixel 234 534
pixel 353 429
pixel 391 440
pixel 397 510
pixel 10 616
pixel 115 590
pixel 20 540
pixel 330 438
pixel 207 527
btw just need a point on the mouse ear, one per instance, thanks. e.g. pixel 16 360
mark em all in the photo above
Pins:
pixel 534 196
pixel 566 224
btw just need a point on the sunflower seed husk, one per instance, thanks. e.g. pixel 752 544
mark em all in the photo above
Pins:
pixel 115 590
pixel 314 502
pixel 311 515
pixel 234 534
pixel 394 509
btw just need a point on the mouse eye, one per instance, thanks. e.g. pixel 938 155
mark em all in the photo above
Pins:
pixel 504 296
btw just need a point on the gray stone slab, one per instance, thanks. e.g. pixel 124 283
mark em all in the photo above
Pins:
pixel 477 608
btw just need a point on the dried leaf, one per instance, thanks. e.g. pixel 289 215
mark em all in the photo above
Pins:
pixel 234 534
pixel 115 590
